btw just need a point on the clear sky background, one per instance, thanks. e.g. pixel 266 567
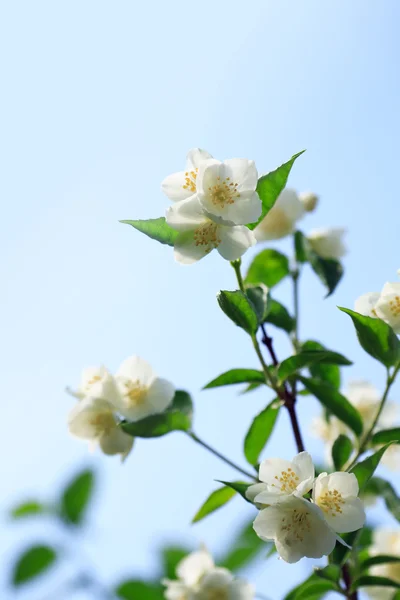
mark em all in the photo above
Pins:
pixel 100 101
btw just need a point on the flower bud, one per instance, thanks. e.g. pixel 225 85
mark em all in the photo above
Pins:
pixel 309 201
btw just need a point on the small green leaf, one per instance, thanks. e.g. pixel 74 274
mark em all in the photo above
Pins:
pixel 279 316
pixel 383 489
pixel 368 580
pixel 239 486
pixel 260 431
pixel 259 297
pixel 31 508
pixel 312 588
pixel 236 376
pixel 341 451
pixel 337 404
pixel 341 552
pixel 239 309
pixel 76 497
pixel 156 229
pixel 330 572
pixel 328 373
pixel 379 559
pixel 386 435
pixel 33 562
pixel 171 556
pixel 329 271
pixel 376 337
pixel 214 501
pixel 301 247
pixel 270 186
pixel 268 267
pixel 366 468
pixel 306 358
pixel 135 589
pixel 177 417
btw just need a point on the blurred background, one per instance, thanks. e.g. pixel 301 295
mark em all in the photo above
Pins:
pixel 101 100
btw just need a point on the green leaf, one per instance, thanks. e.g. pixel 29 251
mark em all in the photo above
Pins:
pixel 30 508
pixel 329 271
pixel 376 337
pixel 366 468
pixel 260 431
pixel 135 589
pixel 328 373
pixel 312 588
pixel 33 562
pixel 368 580
pixel 341 552
pixel 330 572
pixel 383 489
pixel 239 486
pixel 268 267
pixel 337 404
pixel 239 309
pixel 171 556
pixel 177 417
pixel 301 247
pixel 306 358
pixel 270 186
pixel 243 549
pixel 156 229
pixel 214 501
pixel 236 376
pixel 76 497
pixel 279 316
pixel 386 435
pixel 341 451
pixel 379 559
pixel 259 297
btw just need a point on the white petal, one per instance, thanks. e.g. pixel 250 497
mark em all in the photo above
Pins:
pixel 216 579
pixel 304 466
pixel 89 417
pixel 235 241
pixel 116 442
pixel 255 489
pixel 289 202
pixel 195 157
pixel 267 522
pixel 281 219
pixel 176 590
pixel 366 303
pixel 186 251
pixel 160 394
pixel 388 305
pixel 268 496
pixel 346 483
pixel 351 518
pixel 240 589
pixel 175 187
pixel 193 567
pixel 328 243
pixel 242 171
pixel 281 475
pixel 186 215
pixel 97 382
pixel 137 369
pixel 390 288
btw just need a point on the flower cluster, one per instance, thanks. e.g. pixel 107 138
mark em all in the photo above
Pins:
pixel 302 527
pixel 384 305
pixel 213 202
pixel 133 393
pixel 200 579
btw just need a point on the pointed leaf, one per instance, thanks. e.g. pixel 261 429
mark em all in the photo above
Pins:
pixel 156 229
pixel 260 431
pixel 341 451
pixel 383 489
pixel 239 486
pixel 31 508
pixel 33 562
pixel 312 588
pixel 268 267
pixel 259 297
pixel 328 373
pixel 386 435
pixel 379 559
pixel 214 501
pixel 236 376
pixel 366 468
pixel 301 247
pixel 239 309
pixel 76 497
pixel 376 337
pixel 306 358
pixel 368 580
pixel 329 271
pixel 279 316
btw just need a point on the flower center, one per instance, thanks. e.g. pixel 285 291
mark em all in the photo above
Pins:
pixel 295 525
pixel 103 422
pixel 135 393
pixel 94 380
pixel 223 192
pixel 394 306
pixel 331 502
pixel 207 235
pixel 287 481
pixel 190 180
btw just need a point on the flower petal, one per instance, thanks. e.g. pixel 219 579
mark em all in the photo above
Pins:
pixel 240 589
pixel 255 489
pixel 365 304
pixel 242 171
pixel 186 251
pixel 186 215
pixel 194 566
pixel 346 483
pixel 217 578
pixel 89 417
pixel 195 157
pixel 235 241
pixel 137 369
pixel 174 186
pixel 160 394
pixel 116 442
pixel 351 517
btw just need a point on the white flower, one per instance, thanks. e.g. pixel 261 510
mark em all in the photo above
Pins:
pixel 141 392
pixel 297 527
pixel 179 186
pixel 337 497
pixel 385 541
pixel 93 419
pixel 282 218
pixel 281 478
pixel 199 233
pixel 384 305
pixel 328 242
pixel 96 382
pixel 220 584
pixel 365 304
pixel 309 201
pixel 228 190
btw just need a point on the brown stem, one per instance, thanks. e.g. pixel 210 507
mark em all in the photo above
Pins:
pixel 347 582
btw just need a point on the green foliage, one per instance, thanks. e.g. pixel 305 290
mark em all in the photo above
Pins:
pixel 239 309
pixel 214 501
pixel 136 589
pixel 376 337
pixel 236 376
pixel 300 247
pixel 177 417
pixel 312 588
pixel 270 186
pixel 268 267
pixel 156 229
pixel 386 435
pixel 32 563
pixel 244 548
pixel 170 557
pixel 239 486
pixel 379 559
pixel 330 572
pixel 328 270
pixel 259 297
pixel 76 497
pixel 31 508
pixel 341 451
pixel 279 316
pixel 383 489
pixel 306 358
pixel 368 580
pixel 260 431
pixel 366 468
pixel 327 372
pixel 335 403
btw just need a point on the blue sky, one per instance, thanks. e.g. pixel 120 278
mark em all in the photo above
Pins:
pixel 102 100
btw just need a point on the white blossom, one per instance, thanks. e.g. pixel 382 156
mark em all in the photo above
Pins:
pixel 94 420
pixel 328 242
pixel 337 497
pixel 280 478
pixel 201 233
pixel 141 392
pixel 220 584
pixel 183 184
pixel 227 190
pixel 365 304
pixel 280 221
pixel 298 528
pixel 384 305
pixel 309 201
pixel 384 541
pixel 96 382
